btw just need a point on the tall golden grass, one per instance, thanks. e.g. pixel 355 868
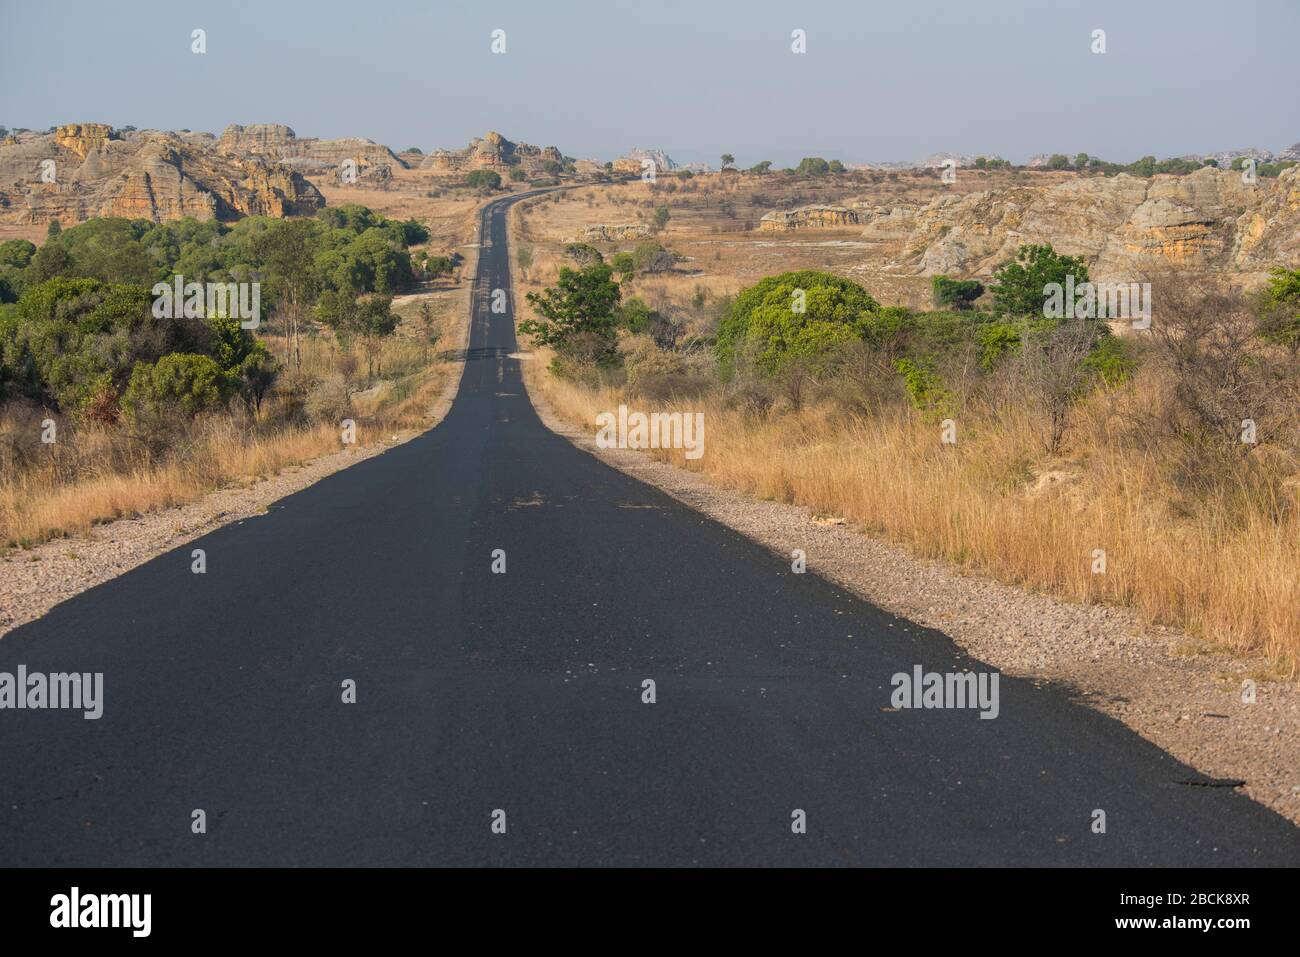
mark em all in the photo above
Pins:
pixel 97 473
pixel 1226 573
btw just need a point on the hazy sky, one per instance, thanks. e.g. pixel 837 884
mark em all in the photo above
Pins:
pixel 879 81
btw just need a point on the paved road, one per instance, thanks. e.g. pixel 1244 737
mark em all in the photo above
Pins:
pixel 522 692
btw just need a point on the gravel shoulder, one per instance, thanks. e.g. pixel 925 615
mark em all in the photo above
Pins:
pixel 1158 681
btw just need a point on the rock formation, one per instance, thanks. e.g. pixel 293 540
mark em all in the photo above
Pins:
pixel 493 152
pixel 1122 225
pixel 307 155
pixel 614 234
pixel 805 217
pixel 87 169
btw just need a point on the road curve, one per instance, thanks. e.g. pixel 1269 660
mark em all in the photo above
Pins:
pixel 522 692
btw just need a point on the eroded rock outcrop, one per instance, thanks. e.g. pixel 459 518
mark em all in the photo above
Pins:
pixel 86 170
pixel 808 217
pixel 614 234
pixel 1122 225
pixel 304 154
pixel 493 152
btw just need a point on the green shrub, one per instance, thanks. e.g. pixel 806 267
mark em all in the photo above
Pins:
pixel 179 383
pixel 767 322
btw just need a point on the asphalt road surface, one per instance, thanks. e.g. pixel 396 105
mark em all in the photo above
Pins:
pixel 522 692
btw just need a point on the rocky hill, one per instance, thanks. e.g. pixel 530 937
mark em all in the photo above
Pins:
pixel 84 170
pixel 493 152
pixel 305 154
pixel 1209 219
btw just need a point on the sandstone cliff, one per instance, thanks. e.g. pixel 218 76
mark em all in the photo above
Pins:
pixel 87 169
pixel 806 217
pixel 493 152
pixel 1122 225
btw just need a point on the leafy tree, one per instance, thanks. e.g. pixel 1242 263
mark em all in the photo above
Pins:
pixel 835 166
pixel 797 316
pixel 50 262
pixel 955 293
pixel 1020 286
pixel 484 179
pixel 1058 161
pixel 518 175
pixel 761 167
pixel 373 321
pixel 70 340
pixel 584 254
pixel 1279 319
pixel 53 229
pixel 624 265
pixel 1081 161
pixel 728 160
pixel 178 383
pixel 17 253
pixel 286 251
pixel 813 166
pixel 650 256
pixel 439 266
pixel 661 217
pixel 577 313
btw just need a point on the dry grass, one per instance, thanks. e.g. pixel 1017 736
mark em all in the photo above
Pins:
pixel 95 474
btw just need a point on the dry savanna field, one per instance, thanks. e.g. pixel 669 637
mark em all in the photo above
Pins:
pixel 1122 509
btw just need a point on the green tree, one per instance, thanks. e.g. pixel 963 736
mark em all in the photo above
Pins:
pixel 577 313
pixel 813 166
pixel 1020 286
pixel 584 254
pixel 178 383
pixel 624 265
pixel 1279 319
pixel 955 293
pixel 373 321
pixel 71 340
pixel 796 316
pixel 661 217
pixel 728 161
pixel 286 252
pixel 483 179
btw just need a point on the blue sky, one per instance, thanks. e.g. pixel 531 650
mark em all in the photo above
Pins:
pixel 879 81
